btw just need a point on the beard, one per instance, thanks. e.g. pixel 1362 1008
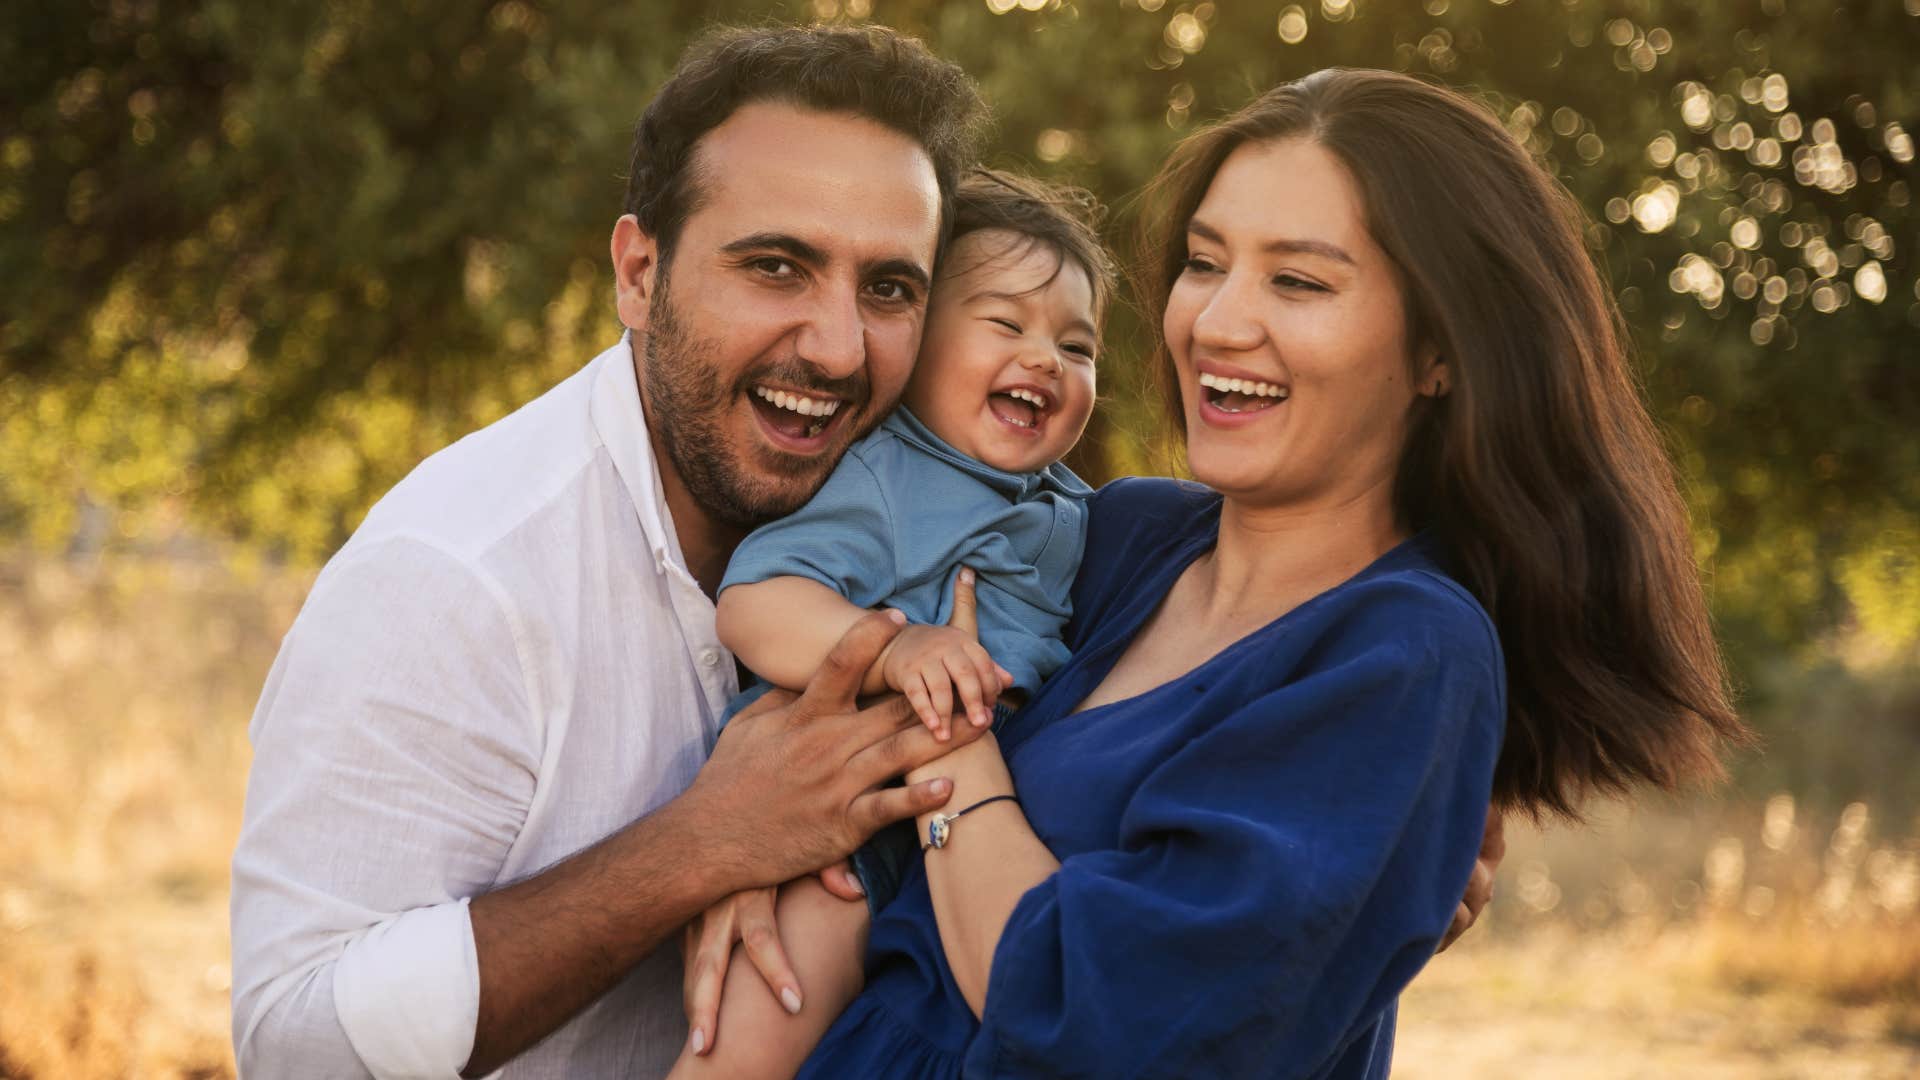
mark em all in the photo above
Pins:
pixel 742 486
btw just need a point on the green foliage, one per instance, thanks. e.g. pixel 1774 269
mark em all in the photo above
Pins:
pixel 262 258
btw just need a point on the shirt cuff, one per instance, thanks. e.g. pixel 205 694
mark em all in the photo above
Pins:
pixel 408 993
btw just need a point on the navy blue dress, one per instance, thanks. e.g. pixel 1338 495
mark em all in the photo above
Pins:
pixel 1255 858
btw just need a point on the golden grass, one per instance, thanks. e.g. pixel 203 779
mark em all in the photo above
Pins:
pixel 1705 939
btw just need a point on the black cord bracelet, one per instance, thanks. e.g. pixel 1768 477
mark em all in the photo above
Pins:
pixel 941 824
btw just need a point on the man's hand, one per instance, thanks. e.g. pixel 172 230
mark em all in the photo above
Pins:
pixel 1493 848
pixel 708 947
pixel 796 784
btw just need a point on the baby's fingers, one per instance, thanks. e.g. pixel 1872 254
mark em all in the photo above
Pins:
pixel 942 688
pixel 922 701
pixel 967 680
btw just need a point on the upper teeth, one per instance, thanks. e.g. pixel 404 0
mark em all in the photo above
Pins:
pixel 1027 396
pixel 1243 386
pixel 801 404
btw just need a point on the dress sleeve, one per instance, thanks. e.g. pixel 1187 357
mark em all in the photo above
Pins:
pixel 395 755
pixel 842 538
pixel 1278 881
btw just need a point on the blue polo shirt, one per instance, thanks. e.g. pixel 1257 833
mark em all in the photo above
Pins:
pixel 904 511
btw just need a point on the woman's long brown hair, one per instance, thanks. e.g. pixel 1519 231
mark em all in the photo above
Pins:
pixel 1540 471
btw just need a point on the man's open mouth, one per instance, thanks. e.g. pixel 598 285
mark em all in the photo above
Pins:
pixel 1023 407
pixel 798 419
pixel 1241 395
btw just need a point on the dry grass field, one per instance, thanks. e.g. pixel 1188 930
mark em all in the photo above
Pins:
pixel 1703 941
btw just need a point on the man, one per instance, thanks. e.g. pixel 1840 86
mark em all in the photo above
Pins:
pixel 474 814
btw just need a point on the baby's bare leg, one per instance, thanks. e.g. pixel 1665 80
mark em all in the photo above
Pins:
pixel 826 939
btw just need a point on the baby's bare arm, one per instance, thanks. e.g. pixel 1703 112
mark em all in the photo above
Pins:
pixel 784 627
pixel 826 938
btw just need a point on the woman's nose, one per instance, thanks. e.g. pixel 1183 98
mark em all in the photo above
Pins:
pixel 1230 318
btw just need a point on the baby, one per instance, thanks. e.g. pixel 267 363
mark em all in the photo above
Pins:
pixel 966 473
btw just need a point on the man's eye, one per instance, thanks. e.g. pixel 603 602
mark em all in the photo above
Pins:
pixel 893 292
pixel 773 267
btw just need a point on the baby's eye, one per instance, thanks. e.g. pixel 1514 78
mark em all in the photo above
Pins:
pixel 1079 349
pixel 1008 324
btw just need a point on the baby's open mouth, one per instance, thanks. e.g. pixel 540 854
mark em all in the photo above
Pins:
pixel 1241 395
pixel 1020 406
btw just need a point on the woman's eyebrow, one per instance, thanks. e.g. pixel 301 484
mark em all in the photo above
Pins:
pixel 1302 247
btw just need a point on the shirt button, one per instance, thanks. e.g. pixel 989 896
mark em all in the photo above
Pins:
pixel 709 657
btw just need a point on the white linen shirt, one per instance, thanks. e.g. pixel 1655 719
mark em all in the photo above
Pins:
pixel 506 663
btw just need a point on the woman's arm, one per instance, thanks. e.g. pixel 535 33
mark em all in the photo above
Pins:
pixel 990 860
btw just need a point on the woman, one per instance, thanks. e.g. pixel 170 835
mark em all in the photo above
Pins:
pixel 1438 554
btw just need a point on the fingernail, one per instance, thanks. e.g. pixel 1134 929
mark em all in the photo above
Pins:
pixel 941 786
pixel 899 617
pixel 980 718
pixel 853 879
pixel 699 1041
pixel 791 999
pixel 966 574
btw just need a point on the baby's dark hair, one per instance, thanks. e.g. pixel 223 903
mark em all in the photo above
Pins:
pixel 1065 219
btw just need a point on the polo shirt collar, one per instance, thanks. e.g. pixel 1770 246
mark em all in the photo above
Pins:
pixel 1055 477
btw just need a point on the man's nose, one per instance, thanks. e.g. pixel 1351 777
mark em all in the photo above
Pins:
pixel 834 336
pixel 1229 320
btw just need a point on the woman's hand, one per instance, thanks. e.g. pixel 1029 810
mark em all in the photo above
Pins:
pixel 1493 848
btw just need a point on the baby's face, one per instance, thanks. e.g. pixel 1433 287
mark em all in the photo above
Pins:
pixel 1006 363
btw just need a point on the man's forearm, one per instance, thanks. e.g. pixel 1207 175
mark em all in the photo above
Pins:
pixel 551 944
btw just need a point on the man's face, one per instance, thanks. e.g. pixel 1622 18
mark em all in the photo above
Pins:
pixel 786 322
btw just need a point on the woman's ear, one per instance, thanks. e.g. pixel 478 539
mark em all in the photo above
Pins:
pixel 1436 377
pixel 635 261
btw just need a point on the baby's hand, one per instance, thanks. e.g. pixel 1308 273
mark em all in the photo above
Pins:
pixel 928 663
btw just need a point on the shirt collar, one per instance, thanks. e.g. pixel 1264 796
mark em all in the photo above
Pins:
pixel 1055 477
pixel 621 424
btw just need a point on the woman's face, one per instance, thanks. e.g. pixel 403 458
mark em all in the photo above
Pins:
pixel 1288 330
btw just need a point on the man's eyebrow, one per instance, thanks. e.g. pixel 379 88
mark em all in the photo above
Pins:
pixel 782 242
pixel 901 268
pixel 1305 247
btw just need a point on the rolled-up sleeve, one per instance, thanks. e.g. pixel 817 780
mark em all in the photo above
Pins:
pixel 395 757
pixel 1278 880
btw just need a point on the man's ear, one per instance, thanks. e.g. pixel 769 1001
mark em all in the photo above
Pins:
pixel 1436 377
pixel 636 260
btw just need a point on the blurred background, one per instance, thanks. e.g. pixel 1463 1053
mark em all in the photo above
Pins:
pixel 258 260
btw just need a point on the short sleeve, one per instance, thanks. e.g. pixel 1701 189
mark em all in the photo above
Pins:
pixel 842 538
pixel 1278 880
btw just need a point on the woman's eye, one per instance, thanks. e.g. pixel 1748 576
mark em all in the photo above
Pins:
pixel 1195 264
pixel 1288 281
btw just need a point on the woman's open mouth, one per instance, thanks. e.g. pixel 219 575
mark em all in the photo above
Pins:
pixel 796 421
pixel 1022 408
pixel 1241 395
